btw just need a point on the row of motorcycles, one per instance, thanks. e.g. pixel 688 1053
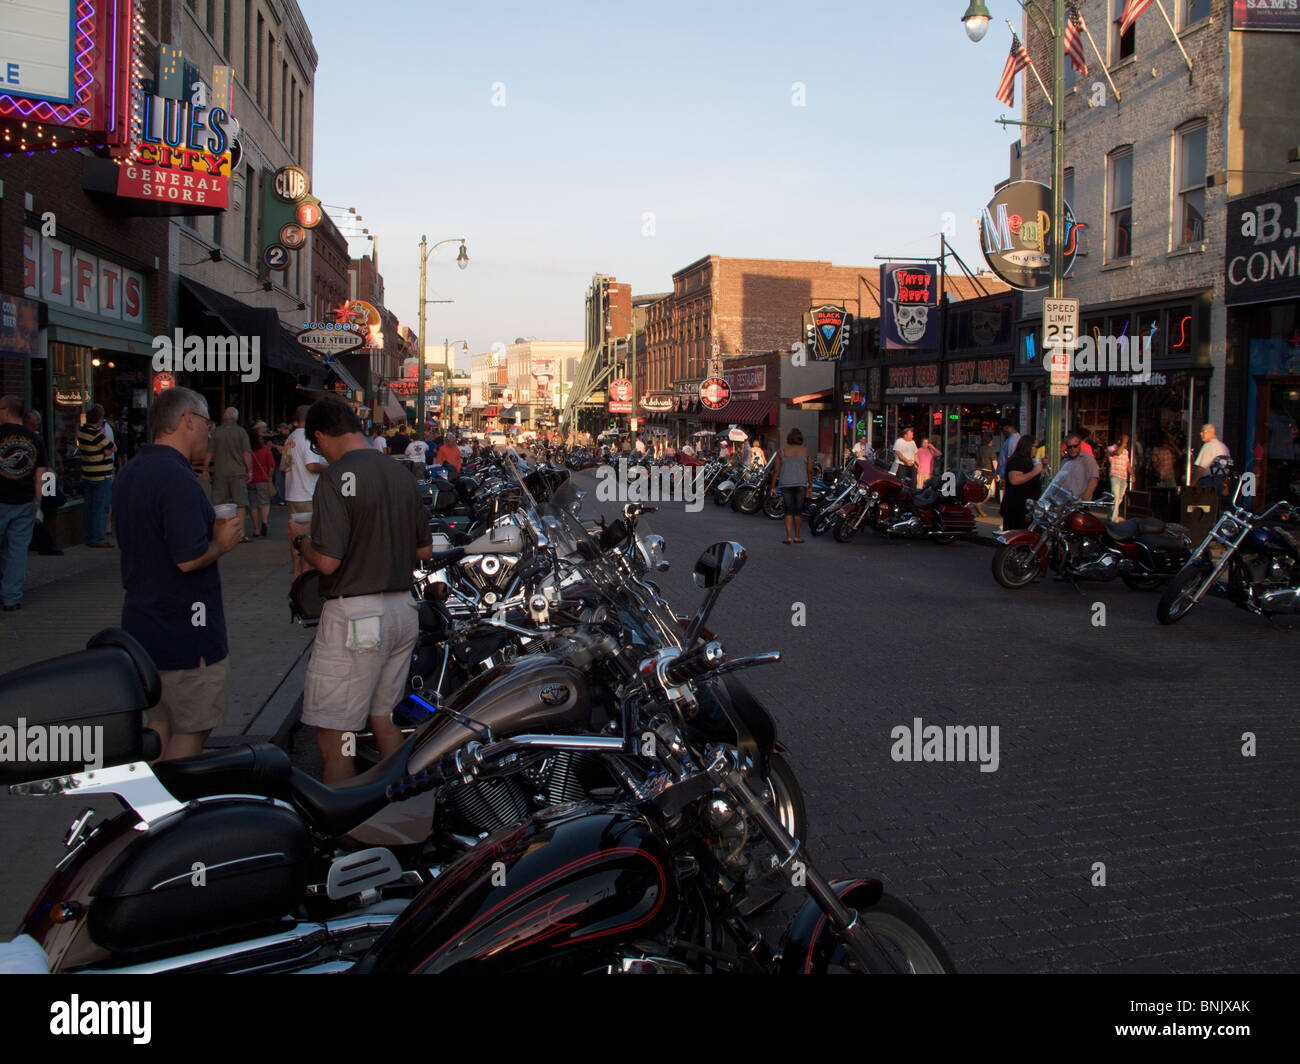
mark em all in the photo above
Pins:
pixel 584 785
pixel 1251 559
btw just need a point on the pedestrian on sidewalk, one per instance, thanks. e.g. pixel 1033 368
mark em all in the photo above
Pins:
pixel 1119 466
pixel 905 457
pixel 926 456
pixel 231 459
pixel 1010 439
pixel 170 541
pixel 97 470
pixel 368 531
pixel 304 466
pixel 1024 483
pixel 277 449
pixel 792 473
pixel 43 534
pixel 23 463
pixel 259 485
pixel 986 461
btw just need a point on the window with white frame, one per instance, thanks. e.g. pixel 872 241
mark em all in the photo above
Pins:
pixel 1189 168
pixel 1123 45
pixel 1194 11
pixel 1120 195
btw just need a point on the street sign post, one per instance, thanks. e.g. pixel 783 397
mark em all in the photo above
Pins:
pixel 1060 340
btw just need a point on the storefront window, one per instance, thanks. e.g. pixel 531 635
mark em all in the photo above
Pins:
pixel 70 394
pixel 1178 329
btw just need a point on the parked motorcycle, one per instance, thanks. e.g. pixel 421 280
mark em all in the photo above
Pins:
pixel 892 508
pixel 752 487
pixel 1079 545
pixel 1258 567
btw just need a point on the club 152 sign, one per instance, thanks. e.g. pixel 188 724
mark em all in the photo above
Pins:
pixel 1016 235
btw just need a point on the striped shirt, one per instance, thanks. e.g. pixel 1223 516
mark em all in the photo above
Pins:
pixel 96 458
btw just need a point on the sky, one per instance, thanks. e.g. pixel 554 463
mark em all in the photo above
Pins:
pixel 566 138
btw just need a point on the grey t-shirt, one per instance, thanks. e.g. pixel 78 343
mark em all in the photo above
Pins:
pixel 366 512
pixel 1076 473
pixel 229 442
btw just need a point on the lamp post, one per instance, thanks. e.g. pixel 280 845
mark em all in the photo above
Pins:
pixel 447 376
pixel 462 260
pixel 976 21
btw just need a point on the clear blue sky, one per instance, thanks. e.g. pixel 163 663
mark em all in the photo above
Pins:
pixel 683 109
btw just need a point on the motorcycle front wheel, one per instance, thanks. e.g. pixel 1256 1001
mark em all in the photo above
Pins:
pixel 1180 595
pixel 1015 565
pixel 747 501
pixel 903 934
pixel 720 497
pixel 774 505
pixel 844 530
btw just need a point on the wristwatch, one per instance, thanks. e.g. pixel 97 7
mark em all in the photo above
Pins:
pixel 299 538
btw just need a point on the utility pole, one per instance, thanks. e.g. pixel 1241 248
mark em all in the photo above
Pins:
pixel 634 371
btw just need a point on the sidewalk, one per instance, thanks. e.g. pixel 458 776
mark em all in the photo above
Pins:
pixel 68 599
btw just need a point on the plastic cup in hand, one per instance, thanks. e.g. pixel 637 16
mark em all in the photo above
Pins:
pixel 226 511
pixel 303 519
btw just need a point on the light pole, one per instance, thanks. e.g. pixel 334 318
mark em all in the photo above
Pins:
pixel 462 260
pixel 976 21
pixel 447 376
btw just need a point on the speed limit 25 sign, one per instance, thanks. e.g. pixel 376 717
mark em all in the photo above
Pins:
pixel 1060 324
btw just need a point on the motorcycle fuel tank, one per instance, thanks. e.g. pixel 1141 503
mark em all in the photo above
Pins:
pixel 562 890
pixel 1084 523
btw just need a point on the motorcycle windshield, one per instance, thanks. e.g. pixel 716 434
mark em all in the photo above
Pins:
pixel 556 521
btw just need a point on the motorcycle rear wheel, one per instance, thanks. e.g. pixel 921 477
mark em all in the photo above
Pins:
pixel 1140 583
pixel 1015 565
pixel 721 498
pixel 844 530
pixel 902 932
pixel 1177 600
pixel 774 506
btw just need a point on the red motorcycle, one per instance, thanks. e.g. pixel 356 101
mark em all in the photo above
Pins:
pixel 1065 537
pixel 940 511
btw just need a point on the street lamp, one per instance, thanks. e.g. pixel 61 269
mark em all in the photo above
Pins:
pixel 462 260
pixel 976 20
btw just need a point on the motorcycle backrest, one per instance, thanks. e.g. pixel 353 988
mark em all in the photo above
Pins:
pixel 80 711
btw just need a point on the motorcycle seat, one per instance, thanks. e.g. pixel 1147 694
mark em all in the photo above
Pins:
pixel 1124 531
pixel 337 810
pixel 261 769
pixel 926 497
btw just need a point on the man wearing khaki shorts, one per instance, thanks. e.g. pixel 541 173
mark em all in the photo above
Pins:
pixel 231 459
pixel 368 531
pixel 170 541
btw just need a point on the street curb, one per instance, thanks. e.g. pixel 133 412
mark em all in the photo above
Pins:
pixel 277 718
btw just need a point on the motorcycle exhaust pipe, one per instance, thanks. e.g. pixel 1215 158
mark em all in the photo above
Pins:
pixel 284 951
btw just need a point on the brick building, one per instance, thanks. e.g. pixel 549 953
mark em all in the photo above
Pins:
pixel 1150 176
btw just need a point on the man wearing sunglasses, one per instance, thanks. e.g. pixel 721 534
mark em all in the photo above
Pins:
pixel 170 542
pixel 1079 474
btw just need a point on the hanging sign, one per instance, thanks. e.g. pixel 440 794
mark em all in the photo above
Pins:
pixel 1016 235
pixel 715 393
pixel 911 292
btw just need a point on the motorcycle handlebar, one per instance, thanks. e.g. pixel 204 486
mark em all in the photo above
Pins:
pixel 695 663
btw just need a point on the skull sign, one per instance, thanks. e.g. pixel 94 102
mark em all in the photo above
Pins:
pixel 911 322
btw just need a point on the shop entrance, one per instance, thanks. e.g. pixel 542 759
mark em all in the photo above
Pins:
pixel 1276 459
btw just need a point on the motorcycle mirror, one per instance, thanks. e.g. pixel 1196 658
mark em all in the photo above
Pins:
pixel 719 564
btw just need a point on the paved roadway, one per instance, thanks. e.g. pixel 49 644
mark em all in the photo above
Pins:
pixel 1119 744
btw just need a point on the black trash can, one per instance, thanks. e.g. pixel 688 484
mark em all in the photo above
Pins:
pixel 1198 509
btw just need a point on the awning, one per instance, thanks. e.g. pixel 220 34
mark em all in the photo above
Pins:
pixel 812 397
pixel 746 412
pixel 207 311
pixel 394 409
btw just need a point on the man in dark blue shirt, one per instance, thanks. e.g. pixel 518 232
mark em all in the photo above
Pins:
pixel 170 542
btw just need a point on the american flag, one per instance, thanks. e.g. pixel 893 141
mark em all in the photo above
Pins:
pixel 1132 9
pixel 1074 40
pixel 1016 62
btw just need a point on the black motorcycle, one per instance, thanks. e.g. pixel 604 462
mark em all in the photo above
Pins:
pixel 1257 565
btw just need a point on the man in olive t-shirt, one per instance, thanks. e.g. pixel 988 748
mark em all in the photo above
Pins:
pixel 368 531
pixel 231 461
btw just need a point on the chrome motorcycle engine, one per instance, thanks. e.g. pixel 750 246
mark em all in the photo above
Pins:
pixel 499 802
pixel 491 574
pixel 1088 559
